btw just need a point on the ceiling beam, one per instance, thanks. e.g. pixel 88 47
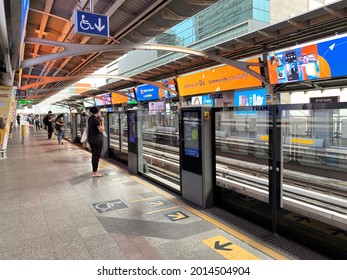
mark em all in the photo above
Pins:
pixel 76 49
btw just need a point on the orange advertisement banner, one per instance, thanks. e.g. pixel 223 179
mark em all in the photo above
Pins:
pixel 217 79
pixel 118 98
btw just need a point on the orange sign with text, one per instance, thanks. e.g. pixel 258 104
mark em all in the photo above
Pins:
pixel 118 98
pixel 218 79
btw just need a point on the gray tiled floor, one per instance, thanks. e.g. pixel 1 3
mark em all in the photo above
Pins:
pixel 47 196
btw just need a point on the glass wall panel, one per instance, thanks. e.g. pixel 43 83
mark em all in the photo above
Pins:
pixel 68 127
pixel 160 146
pixel 315 175
pixel 242 137
pixel 79 131
pixel 118 136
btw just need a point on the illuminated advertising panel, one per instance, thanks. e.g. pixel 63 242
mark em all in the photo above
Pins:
pixel 119 98
pixel 169 83
pixel 103 99
pixel 88 102
pixel 217 79
pixel 202 100
pixel 255 97
pixel 147 92
pixel 156 107
pixel 131 95
pixel 316 61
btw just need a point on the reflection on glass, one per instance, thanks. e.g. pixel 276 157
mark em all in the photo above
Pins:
pixel 118 136
pixel 160 155
pixel 67 131
pixel 315 173
pixel 242 154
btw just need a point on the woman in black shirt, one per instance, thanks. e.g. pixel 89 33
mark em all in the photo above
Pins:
pixel 95 138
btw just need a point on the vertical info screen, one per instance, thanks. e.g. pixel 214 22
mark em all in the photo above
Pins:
pixel 132 129
pixel 191 134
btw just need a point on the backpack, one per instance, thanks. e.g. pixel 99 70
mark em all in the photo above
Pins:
pixel 45 120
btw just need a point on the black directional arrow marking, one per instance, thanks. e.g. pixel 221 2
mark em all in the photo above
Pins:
pixel 338 231
pixel 300 219
pixel 217 246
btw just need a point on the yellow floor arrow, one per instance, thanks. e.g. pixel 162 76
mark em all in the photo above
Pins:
pixel 228 249
pixel 177 216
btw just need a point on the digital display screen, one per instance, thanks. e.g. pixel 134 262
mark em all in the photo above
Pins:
pixel 103 99
pixel 202 100
pixel 191 130
pixel 132 127
pixel 255 97
pixel 170 83
pixel 147 92
pixel 131 95
pixel 300 64
pixel 88 102
pixel 156 107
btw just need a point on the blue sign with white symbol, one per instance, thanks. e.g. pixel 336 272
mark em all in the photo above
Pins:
pixel 91 24
pixel 147 92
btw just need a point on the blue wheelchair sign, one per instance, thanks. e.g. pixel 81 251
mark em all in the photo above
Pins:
pixel 91 24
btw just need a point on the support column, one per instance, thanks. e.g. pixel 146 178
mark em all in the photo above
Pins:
pixel 7 111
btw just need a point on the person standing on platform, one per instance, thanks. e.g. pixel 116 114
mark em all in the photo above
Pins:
pixel 37 122
pixel 95 138
pixel 59 126
pixel 30 121
pixel 48 122
pixel 18 119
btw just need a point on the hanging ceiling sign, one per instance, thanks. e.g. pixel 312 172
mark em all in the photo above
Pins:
pixel 91 24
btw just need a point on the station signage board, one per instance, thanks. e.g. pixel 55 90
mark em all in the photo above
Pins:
pixel 147 92
pixel 91 24
pixel 24 101
pixel 118 98
pixel 218 79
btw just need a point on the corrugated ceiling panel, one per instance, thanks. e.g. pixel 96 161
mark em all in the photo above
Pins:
pixel 63 8
pixel 37 4
pixel 102 5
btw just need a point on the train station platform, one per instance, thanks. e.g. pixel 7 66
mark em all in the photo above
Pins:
pixel 51 208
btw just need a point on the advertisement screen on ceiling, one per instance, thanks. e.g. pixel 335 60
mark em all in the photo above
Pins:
pixel 169 83
pixel 156 107
pixel 316 61
pixel 218 79
pixel 202 100
pixel 131 95
pixel 147 92
pixel 88 102
pixel 118 98
pixel 251 98
pixel 103 100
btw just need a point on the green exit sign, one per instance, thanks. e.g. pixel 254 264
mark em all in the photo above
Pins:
pixel 23 101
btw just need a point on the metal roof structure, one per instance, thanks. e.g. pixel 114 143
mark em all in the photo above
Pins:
pixel 136 21
pixel 320 23
pixel 139 20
